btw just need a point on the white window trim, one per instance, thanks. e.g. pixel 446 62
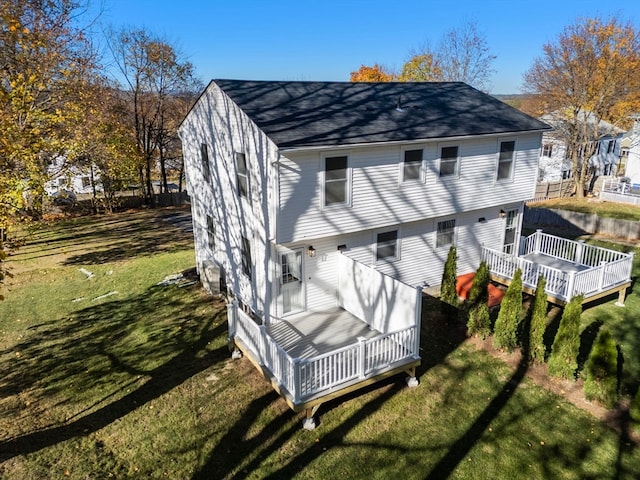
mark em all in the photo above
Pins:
pixel 454 175
pixel 514 158
pixel 397 257
pixel 435 233
pixel 421 178
pixel 323 164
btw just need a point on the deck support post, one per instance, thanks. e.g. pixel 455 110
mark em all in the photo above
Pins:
pixel 536 248
pixel 412 380
pixel 579 248
pixel 309 423
pixel 361 357
pixel 621 296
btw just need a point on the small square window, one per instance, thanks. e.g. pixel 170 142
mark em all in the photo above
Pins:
pixel 448 161
pixel 86 182
pixel 412 164
pixel 445 233
pixel 387 245
pixel 547 150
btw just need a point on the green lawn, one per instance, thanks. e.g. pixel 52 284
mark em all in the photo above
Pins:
pixel 139 383
pixel 621 211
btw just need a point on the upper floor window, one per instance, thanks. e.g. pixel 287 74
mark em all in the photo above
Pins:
pixel 505 159
pixel 204 158
pixel 242 175
pixel 547 149
pixel 611 146
pixel 211 233
pixel 412 165
pixel 86 182
pixel 448 161
pixel 246 257
pixel 445 233
pixel 566 174
pixel 335 180
pixel 387 245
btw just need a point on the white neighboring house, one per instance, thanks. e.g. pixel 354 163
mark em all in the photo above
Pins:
pixel 323 200
pixel 71 178
pixel 554 164
pixel 631 144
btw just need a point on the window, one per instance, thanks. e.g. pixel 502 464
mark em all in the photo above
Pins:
pixel 242 176
pixel 611 146
pixel 86 182
pixel 204 157
pixel 335 180
pixel 412 165
pixel 211 233
pixel 62 182
pixel 547 150
pixel 387 245
pixel 444 234
pixel 566 174
pixel 505 159
pixel 246 257
pixel 448 161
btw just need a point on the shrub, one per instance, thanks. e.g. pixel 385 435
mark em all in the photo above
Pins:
pixel 505 333
pixel 538 323
pixel 479 322
pixel 448 293
pixel 601 371
pixel 563 360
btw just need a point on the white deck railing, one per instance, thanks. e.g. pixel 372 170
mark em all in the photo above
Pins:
pixel 600 269
pixel 303 378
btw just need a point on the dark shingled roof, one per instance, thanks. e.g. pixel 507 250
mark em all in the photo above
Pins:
pixel 313 114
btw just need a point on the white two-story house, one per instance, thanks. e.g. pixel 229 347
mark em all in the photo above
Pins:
pixel 329 206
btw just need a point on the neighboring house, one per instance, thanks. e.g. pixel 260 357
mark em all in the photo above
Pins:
pixel 631 152
pixel 554 163
pixel 71 178
pixel 328 207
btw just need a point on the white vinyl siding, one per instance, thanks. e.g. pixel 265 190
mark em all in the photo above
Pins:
pixel 376 201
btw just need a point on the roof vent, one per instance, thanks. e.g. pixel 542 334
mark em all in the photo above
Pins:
pixel 399 104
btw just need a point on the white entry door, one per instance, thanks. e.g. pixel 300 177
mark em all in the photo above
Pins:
pixel 291 282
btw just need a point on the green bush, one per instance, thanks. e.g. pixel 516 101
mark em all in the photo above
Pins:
pixel 634 409
pixel 478 321
pixel 601 371
pixel 563 360
pixel 538 323
pixel 505 334
pixel 448 293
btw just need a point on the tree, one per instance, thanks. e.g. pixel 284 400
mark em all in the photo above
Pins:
pixel 463 55
pixel 505 334
pixel 155 78
pixel 421 67
pixel 563 360
pixel 634 408
pixel 376 73
pixel 588 76
pixel 601 371
pixel 538 323
pixel 448 294
pixel 479 321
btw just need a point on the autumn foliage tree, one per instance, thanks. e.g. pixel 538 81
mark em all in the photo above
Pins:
pixel 376 73
pixel 589 74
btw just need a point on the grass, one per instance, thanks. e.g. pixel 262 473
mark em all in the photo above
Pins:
pixel 621 211
pixel 140 384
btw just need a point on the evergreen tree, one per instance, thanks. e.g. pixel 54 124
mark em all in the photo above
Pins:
pixel 505 334
pixel 538 323
pixel 563 360
pixel 479 322
pixel 601 371
pixel 448 293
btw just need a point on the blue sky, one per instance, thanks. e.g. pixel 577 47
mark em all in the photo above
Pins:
pixel 326 40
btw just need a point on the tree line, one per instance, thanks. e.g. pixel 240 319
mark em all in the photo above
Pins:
pixel 588 75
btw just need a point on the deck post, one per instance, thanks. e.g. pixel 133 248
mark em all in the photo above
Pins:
pixel 361 357
pixel 603 264
pixel 309 422
pixel 579 248
pixel 536 248
pixel 570 286
pixel 262 346
pixel 621 295
pixel 297 386
pixel 232 320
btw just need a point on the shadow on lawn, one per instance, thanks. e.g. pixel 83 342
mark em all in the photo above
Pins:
pixel 126 348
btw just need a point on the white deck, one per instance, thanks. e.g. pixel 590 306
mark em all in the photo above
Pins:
pixel 554 262
pixel 310 334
